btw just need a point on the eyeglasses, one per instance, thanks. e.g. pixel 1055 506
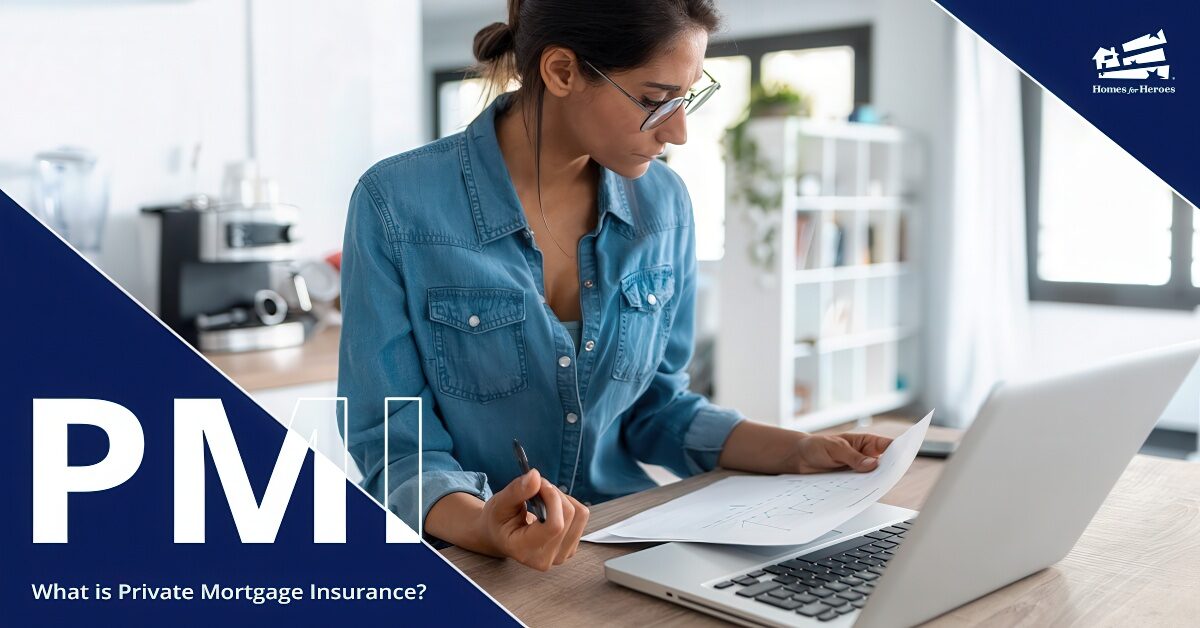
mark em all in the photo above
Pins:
pixel 655 116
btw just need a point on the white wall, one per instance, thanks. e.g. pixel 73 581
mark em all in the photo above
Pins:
pixel 142 83
pixel 336 92
pixel 917 34
pixel 137 83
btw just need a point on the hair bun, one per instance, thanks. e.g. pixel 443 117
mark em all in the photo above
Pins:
pixel 493 41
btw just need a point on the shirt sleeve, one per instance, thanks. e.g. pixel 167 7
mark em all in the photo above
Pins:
pixel 378 358
pixel 669 424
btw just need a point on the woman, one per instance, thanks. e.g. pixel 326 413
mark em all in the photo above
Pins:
pixel 534 277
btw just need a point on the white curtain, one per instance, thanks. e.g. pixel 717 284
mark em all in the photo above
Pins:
pixel 983 335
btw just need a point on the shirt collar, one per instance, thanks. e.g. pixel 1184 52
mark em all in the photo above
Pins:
pixel 494 203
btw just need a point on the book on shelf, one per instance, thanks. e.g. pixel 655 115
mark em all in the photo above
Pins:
pixel 832 244
pixel 804 237
pixel 870 253
pixel 839 256
pixel 802 400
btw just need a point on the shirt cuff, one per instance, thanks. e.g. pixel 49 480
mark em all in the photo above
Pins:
pixel 706 436
pixel 436 485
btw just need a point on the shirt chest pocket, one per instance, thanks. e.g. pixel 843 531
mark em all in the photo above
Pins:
pixel 646 304
pixel 479 341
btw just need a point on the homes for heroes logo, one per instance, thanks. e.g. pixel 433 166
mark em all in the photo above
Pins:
pixel 1143 58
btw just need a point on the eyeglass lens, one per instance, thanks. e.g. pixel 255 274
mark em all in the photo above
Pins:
pixel 702 97
pixel 667 109
pixel 664 111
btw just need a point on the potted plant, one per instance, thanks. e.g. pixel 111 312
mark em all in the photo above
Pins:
pixel 755 183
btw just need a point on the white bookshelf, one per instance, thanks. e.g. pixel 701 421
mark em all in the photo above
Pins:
pixel 807 342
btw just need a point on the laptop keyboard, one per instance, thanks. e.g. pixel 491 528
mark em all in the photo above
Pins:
pixel 826 583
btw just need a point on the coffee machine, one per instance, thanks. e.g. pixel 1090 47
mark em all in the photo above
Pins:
pixel 219 269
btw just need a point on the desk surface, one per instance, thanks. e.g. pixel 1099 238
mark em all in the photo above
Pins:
pixel 314 361
pixel 1135 565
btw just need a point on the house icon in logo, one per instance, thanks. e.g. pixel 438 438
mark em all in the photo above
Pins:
pixel 1142 58
pixel 1106 58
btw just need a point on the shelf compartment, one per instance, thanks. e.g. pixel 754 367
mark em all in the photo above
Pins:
pixel 882 294
pixel 806 384
pixel 814 161
pixel 844 373
pixel 807 324
pixel 880 369
pixel 907 364
pixel 882 169
pixel 848 167
pixel 883 228
pixel 839 313
pixel 854 271
pixel 805 348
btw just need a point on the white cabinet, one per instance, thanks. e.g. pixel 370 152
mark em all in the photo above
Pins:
pixel 819 294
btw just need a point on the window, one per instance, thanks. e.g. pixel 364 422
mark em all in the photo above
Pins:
pixel 459 100
pixel 825 74
pixel 831 67
pixel 1101 227
pixel 700 162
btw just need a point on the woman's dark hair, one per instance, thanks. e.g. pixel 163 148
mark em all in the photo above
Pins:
pixel 610 34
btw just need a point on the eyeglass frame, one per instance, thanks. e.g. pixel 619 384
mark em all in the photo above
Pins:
pixel 687 100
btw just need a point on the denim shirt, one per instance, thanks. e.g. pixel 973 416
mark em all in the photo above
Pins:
pixel 442 300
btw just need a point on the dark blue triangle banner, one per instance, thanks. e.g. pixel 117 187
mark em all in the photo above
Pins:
pixel 70 334
pixel 1131 69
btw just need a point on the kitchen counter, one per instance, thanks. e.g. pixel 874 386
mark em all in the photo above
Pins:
pixel 312 362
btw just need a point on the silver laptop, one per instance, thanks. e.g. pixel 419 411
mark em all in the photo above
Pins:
pixel 1028 476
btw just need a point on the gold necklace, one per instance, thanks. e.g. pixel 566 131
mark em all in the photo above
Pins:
pixel 537 164
pixel 547 224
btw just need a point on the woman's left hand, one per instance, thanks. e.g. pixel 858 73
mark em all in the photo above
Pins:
pixel 859 452
pixel 753 446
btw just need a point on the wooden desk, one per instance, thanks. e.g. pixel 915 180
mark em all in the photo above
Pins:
pixel 1135 565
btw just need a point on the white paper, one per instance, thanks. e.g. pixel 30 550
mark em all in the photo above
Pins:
pixel 770 509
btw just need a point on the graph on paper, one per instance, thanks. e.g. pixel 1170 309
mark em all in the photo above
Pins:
pixel 770 509
pixel 793 505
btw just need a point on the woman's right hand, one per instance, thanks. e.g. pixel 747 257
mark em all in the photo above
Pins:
pixel 516 533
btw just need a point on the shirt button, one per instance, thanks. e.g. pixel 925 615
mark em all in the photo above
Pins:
pixel 589 345
pixel 541 298
pixel 588 283
pixel 562 487
pixel 587 503
pixel 651 299
pixel 564 361
pixel 572 417
pixel 473 321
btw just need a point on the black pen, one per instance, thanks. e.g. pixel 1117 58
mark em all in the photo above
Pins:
pixel 535 505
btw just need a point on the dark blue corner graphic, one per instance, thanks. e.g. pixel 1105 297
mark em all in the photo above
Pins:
pixel 69 333
pixel 1067 46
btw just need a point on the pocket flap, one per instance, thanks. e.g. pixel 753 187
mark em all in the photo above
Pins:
pixel 649 288
pixel 476 310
